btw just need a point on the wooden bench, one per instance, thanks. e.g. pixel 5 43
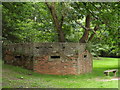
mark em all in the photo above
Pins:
pixel 108 71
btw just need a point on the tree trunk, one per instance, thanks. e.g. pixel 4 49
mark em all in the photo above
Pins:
pixel 92 35
pixel 86 32
pixel 58 25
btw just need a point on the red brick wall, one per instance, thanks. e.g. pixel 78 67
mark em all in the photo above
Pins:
pixel 8 57
pixel 37 57
pixel 55 67
pixel 85 63
pixel 23 60
pixel 73 65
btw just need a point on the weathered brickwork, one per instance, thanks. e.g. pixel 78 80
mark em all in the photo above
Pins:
pixel 56 67
pixel 50 58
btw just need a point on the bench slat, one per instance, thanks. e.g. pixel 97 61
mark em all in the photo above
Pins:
pixel 111 70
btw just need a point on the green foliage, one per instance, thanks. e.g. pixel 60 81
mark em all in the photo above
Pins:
pixel 32 22
pixel 103 49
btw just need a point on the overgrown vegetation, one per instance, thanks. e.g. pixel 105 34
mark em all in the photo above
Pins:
pixel 96 24
pixel 16 77
pixel 84 22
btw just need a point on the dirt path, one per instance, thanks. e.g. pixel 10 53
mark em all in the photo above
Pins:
pixel 114 78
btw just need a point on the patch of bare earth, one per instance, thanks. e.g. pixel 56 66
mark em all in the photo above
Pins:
pixel 114 78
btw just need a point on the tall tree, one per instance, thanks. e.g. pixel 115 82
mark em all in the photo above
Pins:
pixel 58 23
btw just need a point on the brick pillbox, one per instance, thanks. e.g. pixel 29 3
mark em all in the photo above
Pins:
pixel 49 58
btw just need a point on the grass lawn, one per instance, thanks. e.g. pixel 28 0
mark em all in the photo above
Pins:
pixel 16 77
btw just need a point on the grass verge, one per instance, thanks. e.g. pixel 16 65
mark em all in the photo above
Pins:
pixel 16 77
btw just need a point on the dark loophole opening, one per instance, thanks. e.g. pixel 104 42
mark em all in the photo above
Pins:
pixel 17 56
pixel 85 56
pixel 37 47
pixel 50 47
pixel 63 47
pixel 55 57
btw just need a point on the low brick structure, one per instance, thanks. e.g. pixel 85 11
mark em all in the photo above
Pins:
pixel 50 58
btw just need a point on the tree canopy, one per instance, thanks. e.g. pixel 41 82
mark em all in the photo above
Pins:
pixel 85 22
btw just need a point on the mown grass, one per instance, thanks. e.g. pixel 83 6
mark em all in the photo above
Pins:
pixel 16 77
